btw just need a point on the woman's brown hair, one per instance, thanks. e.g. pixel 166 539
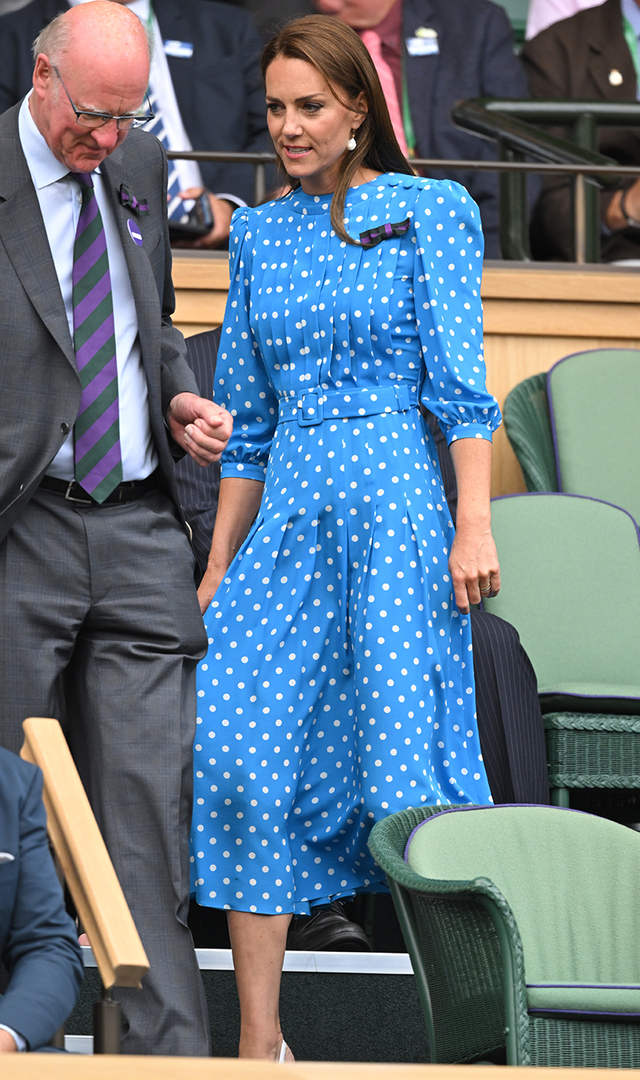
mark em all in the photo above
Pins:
pixel 336 51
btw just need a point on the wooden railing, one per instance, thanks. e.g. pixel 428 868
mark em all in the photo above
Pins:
pixel 89 874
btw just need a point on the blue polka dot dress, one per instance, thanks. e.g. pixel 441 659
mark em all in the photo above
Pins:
pixel 338 685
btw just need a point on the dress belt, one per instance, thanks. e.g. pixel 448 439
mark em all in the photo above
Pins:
pixel 128 491
pixel 317 405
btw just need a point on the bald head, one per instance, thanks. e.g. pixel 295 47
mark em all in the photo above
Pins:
pixel 99 52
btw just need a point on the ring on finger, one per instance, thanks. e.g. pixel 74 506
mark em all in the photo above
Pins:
pixel 486 588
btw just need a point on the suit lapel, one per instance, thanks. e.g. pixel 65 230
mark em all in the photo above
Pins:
pixel 606 42
pixel 171 22
pixel 421 71
pixel 23 235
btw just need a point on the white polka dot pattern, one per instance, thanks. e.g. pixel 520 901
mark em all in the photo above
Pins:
pixel 338 686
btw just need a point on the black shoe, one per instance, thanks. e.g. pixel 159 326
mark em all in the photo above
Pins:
pixel 327 930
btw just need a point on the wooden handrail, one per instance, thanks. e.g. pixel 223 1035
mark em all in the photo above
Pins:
pixel 88 870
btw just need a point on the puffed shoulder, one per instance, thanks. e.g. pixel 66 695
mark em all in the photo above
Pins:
pixel 239 225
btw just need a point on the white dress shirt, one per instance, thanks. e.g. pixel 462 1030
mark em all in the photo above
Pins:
pixel 60 202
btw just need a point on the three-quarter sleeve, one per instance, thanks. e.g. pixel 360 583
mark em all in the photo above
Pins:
pixel 242 384
pixel 447 277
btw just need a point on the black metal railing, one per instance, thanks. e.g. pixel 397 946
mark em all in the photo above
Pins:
pixel 506 123
pixel 510 125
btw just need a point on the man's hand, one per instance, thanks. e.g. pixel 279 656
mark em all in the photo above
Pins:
pixel 199 426
pixel 7 1043
pixel 219 235
pixel 614 217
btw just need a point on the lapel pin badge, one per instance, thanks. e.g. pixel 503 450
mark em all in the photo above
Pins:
pixel 132 202
pixel 615 78
pixel 134 232
pixel 424 42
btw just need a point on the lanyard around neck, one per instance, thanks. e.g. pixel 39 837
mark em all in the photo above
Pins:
pixel 631 39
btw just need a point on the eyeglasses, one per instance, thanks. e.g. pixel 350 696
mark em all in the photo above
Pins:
pixel 89 119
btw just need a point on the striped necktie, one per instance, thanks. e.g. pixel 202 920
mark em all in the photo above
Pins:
pixel 175 205
pixel 98 459
pixel 388 84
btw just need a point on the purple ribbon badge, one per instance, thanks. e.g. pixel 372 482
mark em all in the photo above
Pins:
pixel 372 237
pixel 134 232
pixel 132 202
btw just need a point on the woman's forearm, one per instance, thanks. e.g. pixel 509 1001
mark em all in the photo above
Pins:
pixel 472 462
pixel 238 504
pixel 473 561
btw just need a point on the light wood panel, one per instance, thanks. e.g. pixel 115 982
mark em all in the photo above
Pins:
pixel 103 1067
pixel 534 314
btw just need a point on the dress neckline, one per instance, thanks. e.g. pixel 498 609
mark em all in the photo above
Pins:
pixel 302 203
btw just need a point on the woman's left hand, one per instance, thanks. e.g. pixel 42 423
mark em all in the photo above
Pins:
pixel 474 566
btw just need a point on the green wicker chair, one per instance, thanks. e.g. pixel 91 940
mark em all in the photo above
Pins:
pixel 571 587
pixel 521 924
pixel 528 427
pixel 594 399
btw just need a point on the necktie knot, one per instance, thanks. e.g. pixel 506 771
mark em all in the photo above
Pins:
pixel 85 179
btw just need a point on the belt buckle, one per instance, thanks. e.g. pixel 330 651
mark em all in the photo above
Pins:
pixel 71 498
pixel 311 414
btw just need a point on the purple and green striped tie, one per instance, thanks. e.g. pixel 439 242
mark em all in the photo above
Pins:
pixel 98 460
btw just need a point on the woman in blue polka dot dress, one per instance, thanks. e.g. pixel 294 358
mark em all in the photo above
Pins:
pixel 338 686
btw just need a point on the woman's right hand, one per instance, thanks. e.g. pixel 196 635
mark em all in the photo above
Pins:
pixel 208 587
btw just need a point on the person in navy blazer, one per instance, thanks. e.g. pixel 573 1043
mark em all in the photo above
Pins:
pixel 472 57
pixel 38 940
pixel 218 87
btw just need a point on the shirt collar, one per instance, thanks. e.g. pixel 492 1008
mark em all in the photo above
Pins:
pixel 389 29
pixel 43 165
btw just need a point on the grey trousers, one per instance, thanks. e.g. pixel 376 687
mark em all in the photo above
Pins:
pixel 98 607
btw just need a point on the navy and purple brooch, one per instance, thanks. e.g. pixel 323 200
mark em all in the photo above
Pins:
pixel 132 202
pixel 372 237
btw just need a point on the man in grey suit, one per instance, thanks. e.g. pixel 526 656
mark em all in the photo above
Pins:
pixel 97 600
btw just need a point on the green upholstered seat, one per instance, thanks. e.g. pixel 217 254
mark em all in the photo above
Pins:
pixel 594 399
pixel 580 940
pixel 521 923
pixel 528 427
pixel 570 571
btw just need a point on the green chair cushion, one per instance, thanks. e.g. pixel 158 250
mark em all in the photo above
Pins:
pixel 575 607
pixel 596 458
pixel 572 882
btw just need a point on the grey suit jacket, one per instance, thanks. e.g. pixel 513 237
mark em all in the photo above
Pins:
pixel 41 389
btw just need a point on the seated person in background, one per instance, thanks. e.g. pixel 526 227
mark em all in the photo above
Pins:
pixel 429 55
pixel 38 940
pixel 592 56
pixel 543 13
pixel 270 16
pixel 205 88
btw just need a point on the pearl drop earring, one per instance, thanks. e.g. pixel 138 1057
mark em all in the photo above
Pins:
pixel 351 145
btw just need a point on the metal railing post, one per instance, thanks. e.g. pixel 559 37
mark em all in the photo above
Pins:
pixel 585 134
pixel 514 212
pixel 259 183
pixel 106 1025
pixel 580 218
